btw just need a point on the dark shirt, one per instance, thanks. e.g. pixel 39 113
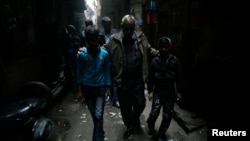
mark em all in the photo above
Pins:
pixel 132 59
pixel 164 72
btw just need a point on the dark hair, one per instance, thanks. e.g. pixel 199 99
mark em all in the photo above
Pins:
pixel 88 22
pixel 71 28
pixel 164 40
pixel 91 30
pixel 106 20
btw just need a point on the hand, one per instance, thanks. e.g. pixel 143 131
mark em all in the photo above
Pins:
pixel 80 50
pixel 150 96
pixel 178 96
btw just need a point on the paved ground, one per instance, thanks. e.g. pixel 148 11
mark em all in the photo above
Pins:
pixel 73 123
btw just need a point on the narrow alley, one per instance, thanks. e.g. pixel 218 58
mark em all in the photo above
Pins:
pixel 206 36
pixel 74 123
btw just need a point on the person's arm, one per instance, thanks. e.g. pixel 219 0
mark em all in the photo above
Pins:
pixel 152 51
pixel 107 46
pixel 107 73
pixel 178 79
pixel 79 68
pixel 107 70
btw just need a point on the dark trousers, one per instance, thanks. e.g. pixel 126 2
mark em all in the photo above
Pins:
pixel 114 95
pixel 132 102
pixel 95 100
pixel 165 98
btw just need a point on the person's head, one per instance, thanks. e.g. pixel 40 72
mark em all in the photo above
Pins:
pixel 88 22
pixel 76 41
pixel 164 44
pixel 128 26
pixel 92 36
pixel 71 29
pixel 107 24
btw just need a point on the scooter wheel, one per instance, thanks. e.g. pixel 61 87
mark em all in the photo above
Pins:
pixel 43 130
pixel 36 89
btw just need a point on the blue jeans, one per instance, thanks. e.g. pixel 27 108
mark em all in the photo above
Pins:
pixel 95 99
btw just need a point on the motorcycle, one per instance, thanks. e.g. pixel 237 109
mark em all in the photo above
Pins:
pixel 23 119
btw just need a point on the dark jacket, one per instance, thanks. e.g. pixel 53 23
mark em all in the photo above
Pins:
pixel 164 73
pixel 115 46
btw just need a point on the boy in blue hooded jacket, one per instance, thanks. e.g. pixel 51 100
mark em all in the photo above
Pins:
pixel 94 78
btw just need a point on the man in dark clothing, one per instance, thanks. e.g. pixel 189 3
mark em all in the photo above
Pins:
pixel 164 82
pixel 104 37
pixel 83 38
pixel 72 63
pixel 107 29
pixel 129 51
pixel 67 45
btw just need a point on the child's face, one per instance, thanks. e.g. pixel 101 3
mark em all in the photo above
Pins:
pixel 92 42
pixel 164 48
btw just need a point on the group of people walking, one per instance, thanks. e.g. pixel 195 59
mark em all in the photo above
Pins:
pixel 117 63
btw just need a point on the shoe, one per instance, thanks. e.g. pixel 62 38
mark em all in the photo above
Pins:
pixel 159 139
pixel 116 104
pixel 138 129
pixel 79 99
pixel 105 139
pixel 151 125
pixel 138 125
pixel 107 98
pixel 75 99
pixel 152 133
pixel 128 135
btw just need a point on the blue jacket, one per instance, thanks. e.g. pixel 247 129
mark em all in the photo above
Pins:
pixel 94 69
